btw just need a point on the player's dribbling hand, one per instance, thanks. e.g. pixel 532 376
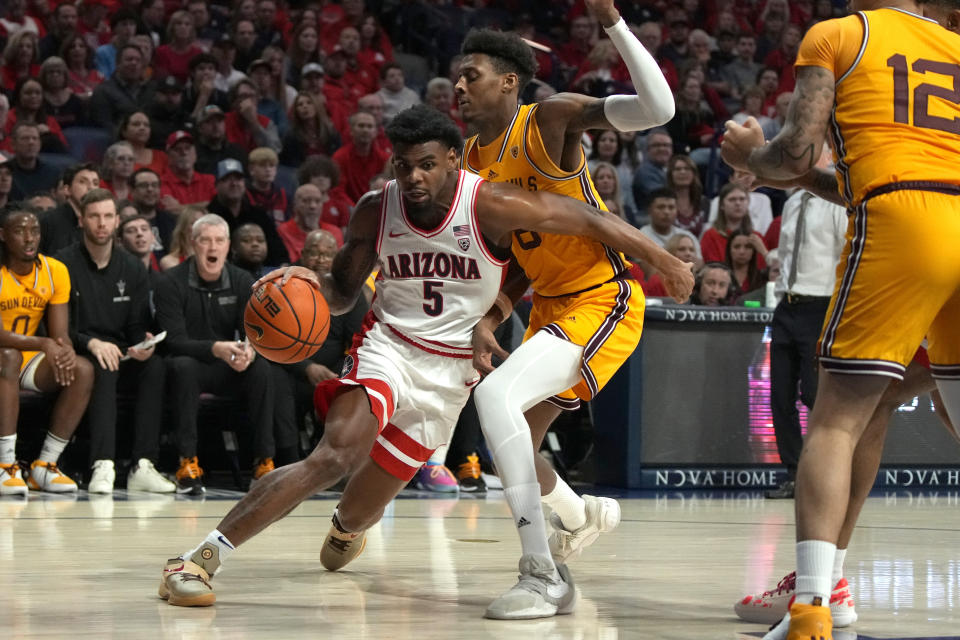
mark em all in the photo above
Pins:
pixel 485 346
pixel 285 273
pixel 678 280
pixel 739 141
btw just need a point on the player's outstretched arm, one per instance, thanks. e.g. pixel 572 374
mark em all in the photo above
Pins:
pixel 652 106
pixel 820 182
pixel 502 208
pixel 352 264
pixel 796 149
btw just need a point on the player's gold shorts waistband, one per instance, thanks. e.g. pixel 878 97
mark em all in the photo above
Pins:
pixel 914 185
pixel 623 275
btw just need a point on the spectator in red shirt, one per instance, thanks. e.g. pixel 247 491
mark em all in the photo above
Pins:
pixel 311 131
pixel 341 96
pixel 28 107
pixel 357 73
pixel 783 58
pixel 440 95
pixel 19 59
pixel 93 24
pixel 361 158
pixel 742 258
pixel 173 58
pixel 261 190
pixel 375 48
pixel 582 36
pixel 307 205
pixel 181 184
pixel 245 127
pixel 733 214
pixel 372 103
pixel 78 55
pixel 324 173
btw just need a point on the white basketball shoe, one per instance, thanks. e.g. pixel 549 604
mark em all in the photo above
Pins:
pixel 603 515
pixel 539 592
pixel 771 606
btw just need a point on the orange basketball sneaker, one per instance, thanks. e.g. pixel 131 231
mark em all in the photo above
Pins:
pixel 11 480
pixel 810 622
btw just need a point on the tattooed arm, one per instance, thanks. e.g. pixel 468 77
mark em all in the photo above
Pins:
pixel 796 149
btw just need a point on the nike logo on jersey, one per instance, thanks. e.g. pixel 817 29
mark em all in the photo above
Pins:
pixel 397 235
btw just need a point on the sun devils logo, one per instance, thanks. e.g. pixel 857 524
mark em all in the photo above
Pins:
pixel 121 285
pixel 514 151
pixel 464 243
pixel 347 366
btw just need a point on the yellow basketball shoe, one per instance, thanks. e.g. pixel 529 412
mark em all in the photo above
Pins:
pixel 45 476
pixel 341 547
pixel 11 480
pixel 810 622
pixel 186 584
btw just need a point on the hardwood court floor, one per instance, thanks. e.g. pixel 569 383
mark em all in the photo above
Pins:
pixel 673 569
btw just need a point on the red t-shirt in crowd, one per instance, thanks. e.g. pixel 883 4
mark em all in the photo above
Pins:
pixel 713 247
pixel 274 201
pixel 239 133
pixel 294 237
pixel 337 208
pixel 772 237
pixel 167 62
pixel 202 188
pixel 356 170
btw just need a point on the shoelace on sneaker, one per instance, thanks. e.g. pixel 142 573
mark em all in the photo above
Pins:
pixel 10 469
pixel 470 468
pixel 788 583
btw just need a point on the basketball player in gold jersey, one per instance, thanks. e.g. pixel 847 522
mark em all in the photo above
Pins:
pixel 587 316
pixel 870 78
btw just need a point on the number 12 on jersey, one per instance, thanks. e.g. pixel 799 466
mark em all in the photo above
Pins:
pixel 923 92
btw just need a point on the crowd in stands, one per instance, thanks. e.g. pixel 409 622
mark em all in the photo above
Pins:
pixel 270 115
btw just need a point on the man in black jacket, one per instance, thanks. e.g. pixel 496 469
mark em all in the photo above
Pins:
pixel 233 207
pixel 200 305
pixel 109 315
pixel 60 227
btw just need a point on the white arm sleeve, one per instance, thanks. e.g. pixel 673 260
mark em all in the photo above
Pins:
pixel 653 104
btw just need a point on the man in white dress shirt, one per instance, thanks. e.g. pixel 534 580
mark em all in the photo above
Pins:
pixel 811 240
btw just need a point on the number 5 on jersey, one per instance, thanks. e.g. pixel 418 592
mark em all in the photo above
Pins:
pixel 431 293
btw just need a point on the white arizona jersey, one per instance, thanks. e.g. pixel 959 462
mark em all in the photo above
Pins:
pixel 435 285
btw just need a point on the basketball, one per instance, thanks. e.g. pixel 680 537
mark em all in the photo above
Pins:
pixel 286 323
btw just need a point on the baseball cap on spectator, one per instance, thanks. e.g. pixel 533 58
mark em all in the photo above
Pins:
pixel 227 167
pixel 177 136
pixel 169 84
pixel 312 67
pixel 259 62
pixel 210 111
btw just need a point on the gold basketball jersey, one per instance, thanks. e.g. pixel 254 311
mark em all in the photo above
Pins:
pixel 24 299
pixel 897 106
pixel 557 265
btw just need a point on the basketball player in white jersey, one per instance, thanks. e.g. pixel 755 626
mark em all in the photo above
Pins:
pixel 441 238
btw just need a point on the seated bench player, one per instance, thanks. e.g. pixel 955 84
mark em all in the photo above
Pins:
pixel 35 288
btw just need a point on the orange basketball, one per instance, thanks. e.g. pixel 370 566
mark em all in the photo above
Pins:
pixel 286 323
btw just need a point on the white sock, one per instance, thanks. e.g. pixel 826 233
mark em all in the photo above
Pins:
pixel 570 507
pixel 52 448
pixel 212 552
pixel 439 454
pixel 838 559
pixel 8 449
pixel 814 566
pixel 524 501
